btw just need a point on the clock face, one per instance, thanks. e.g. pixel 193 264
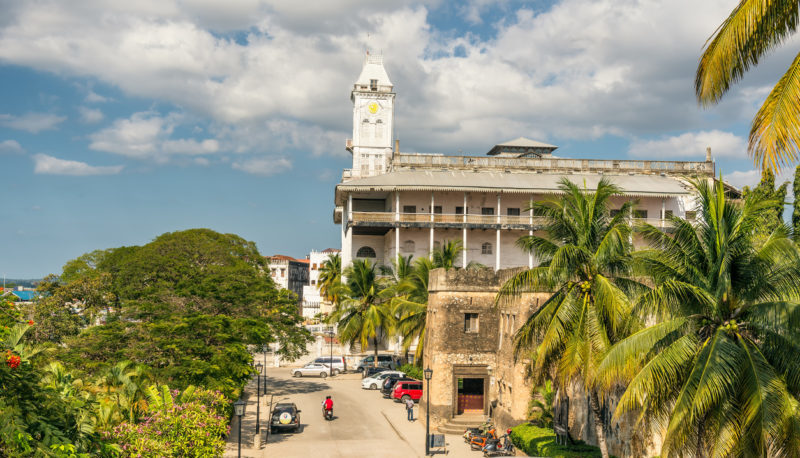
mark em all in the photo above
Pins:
pixel 373 107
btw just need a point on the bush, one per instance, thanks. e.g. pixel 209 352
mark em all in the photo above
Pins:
pixel 412 371
pixel 175 427
pixel 536 441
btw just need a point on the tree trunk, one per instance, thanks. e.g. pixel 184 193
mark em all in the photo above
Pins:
pixel 598 424
pixel 375 341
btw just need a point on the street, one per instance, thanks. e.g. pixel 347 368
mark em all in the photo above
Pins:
pixel 365 424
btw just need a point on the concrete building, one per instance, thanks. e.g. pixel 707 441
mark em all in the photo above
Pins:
pixel 392 203
pixel 289 273
pixel 469 347
pixel 313 302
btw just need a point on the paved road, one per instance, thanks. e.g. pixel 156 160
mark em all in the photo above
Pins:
pixel 365 424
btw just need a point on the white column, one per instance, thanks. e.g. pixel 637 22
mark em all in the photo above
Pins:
pixel 431 247
pixel 530 232
pixel 663 211
pixel 396 223
pixel 464 236
pixel 350 207
pixel 497 251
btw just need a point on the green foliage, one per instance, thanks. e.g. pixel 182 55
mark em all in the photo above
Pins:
pixel 540 408
pixel 718 368
pixel 188 424
pixel 412 371
pixel 796 206
pixel 770 216
pixel 537 441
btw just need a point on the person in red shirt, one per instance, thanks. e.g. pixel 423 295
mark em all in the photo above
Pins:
pixel 327 407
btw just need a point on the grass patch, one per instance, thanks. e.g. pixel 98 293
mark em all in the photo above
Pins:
pixel 536 441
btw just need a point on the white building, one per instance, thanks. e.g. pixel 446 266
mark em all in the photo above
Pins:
pixel 313 303
pixel 289 273
pixel 391 202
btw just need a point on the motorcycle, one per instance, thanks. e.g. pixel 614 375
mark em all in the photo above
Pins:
pixel 327 414
pixel 494 447
pixel 478 442
pixel 469 433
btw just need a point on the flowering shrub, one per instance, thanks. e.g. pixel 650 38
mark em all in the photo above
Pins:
pixel 177 427
pixel 12 360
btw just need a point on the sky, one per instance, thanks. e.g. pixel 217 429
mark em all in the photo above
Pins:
pixel 120 120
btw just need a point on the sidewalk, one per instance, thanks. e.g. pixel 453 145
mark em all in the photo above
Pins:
pixel 248 426
pixel 413 433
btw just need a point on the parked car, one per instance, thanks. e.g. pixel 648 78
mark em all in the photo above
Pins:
pixel 285 416
pixel 389 382
pixel 388 361
pixel 407 390
pixel 370 371
pixel 312 369
pixel 338 363
pixel 373 382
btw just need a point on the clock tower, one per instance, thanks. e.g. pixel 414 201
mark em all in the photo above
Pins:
pixel 373 119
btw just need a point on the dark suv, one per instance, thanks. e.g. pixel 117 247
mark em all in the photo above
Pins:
pixel 391 362
pixel 285 416
pixel 390 381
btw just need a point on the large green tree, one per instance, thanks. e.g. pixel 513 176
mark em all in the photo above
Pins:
pixel 773 200
pixel 364 312
pixel 585 259
pixel 752 30
pixel 330 278
pixel 718 367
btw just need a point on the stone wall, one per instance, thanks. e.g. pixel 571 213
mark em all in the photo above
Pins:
pixel 450 351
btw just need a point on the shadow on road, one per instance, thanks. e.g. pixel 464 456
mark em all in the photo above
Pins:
pixel 282 436
pixel 283 387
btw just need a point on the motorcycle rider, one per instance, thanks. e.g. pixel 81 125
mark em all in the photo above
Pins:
pixel 327 406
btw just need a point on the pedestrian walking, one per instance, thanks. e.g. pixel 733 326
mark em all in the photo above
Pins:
pixel 410 409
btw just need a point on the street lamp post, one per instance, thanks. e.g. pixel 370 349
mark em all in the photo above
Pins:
pixel 428 375
pixel 258 397
pixel 238 410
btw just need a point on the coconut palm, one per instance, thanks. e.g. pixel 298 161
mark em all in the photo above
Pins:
pixel 363 312
pixel 585 262
pixel 410 307
pixel 446 256
pixel 330 278
pixel 718 369
pixel 753 29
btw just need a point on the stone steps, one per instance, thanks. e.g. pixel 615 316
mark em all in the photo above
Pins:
pixel 458 424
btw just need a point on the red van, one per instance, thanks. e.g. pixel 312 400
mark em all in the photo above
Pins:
pixel 407 389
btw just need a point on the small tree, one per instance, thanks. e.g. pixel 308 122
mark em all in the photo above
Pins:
pixel 540 408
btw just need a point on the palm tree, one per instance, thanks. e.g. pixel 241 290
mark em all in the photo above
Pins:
pixel 363 312
pixel 330 278
pixel 753 29
pixel 446 256
pixel 719 367
pixel 410 307
pixel 585 260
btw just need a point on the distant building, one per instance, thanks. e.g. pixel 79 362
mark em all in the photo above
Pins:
pixel 392 203
pixel 289 273
pixel 313 302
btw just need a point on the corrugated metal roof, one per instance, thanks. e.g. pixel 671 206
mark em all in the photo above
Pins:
pixel 373 69
pixel 512 182
pixel 25 295
pixel 526 143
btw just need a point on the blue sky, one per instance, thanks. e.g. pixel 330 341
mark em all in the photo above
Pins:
pixel 122 121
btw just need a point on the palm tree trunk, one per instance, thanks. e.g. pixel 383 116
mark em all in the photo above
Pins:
pixel 599 425
pixel 375 341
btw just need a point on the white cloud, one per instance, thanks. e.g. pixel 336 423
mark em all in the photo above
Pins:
pixel 91 115
pixel 691 144
pixel 49 165
pixel 32 122
pixel 147 136
pixel 575 69
pixel 93 97
pixel 10 147
pixel 263 166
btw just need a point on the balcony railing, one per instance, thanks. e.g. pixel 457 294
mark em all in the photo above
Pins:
pixel 439 218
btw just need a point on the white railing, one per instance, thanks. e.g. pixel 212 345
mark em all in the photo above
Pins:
pixel 391 217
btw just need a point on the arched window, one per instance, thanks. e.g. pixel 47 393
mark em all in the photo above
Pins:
pixel 365 252
pixel 409 246
pixel 486 248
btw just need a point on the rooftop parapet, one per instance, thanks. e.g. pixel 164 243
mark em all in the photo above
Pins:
pixel 404 161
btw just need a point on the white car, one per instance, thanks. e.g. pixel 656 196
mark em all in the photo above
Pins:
pixel 315 369
pixel 375 381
